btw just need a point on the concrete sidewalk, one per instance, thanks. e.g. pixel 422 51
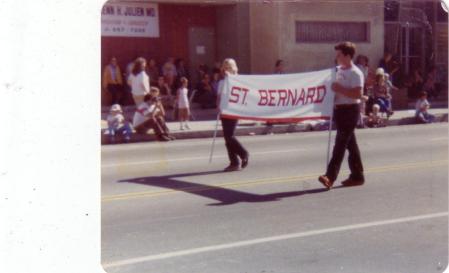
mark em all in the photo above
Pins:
pixel 205 129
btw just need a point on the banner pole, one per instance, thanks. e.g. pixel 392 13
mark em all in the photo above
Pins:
pixel 330 134
pixel 213 141
pixel 330 122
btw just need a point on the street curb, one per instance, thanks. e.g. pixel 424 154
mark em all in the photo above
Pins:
pixel 255 129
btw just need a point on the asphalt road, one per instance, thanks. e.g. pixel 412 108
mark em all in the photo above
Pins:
pixel 165 209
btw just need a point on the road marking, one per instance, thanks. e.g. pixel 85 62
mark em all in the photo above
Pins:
pixel 438 138
pixel 273 180
pixel 263 240
pixel 193 158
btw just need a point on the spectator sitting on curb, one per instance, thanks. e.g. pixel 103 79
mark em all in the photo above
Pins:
pixel 117 124
pixel 380 91
pixel 422 114
pixel 374 119
pixel 159 113
pixel 144 119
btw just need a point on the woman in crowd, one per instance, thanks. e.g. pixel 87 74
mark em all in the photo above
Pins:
pixel 112 81
pixel 380 91
pixel 169 71
pixel 206 95
pixel 139 81
pixel 233 146
pixel 153 71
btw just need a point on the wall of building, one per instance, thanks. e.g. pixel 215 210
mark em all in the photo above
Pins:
pixel 273 33
pixel 174 22
pixel 233 34
pixel 265 36
pixel 315 56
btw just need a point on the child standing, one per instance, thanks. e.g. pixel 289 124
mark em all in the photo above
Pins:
pixel 183 103
pixel 117 123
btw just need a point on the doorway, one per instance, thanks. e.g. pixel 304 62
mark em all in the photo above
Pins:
pixel 201 50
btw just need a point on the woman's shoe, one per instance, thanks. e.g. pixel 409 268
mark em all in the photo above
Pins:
pixel 163 138
pixel 245 161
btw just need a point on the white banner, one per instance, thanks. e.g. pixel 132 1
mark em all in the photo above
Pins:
pixel 279 98
pixel 130 20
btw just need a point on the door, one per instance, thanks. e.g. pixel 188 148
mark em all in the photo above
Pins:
pixel 201 50
pixel 412 48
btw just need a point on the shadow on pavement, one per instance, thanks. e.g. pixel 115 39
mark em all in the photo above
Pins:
pixel 225 196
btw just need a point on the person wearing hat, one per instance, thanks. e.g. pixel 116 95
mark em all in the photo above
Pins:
pixel 117 125
pixel 146 117
pixel 381 93
pixel 348 89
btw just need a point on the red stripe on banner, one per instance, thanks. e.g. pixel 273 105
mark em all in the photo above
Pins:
pixel 283 120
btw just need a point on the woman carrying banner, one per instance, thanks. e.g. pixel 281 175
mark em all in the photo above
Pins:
pixel 233 146
pixel 348 90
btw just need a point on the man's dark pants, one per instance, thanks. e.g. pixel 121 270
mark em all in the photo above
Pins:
pixel 346 117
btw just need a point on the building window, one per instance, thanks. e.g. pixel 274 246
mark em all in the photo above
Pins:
pixel 331 32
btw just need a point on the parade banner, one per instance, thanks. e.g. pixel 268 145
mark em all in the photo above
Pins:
pixel 279 98
pixel 130 20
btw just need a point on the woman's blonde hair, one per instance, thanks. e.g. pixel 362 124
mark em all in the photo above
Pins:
pixel 230 64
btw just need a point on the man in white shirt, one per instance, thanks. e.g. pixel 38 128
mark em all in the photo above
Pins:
pixel 348 90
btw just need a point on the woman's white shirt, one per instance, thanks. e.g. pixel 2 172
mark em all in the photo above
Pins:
pixel 140 84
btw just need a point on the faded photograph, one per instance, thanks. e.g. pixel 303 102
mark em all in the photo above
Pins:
pixel 274 136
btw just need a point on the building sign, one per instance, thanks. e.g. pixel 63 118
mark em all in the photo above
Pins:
pixel 130 20
pixel 331 32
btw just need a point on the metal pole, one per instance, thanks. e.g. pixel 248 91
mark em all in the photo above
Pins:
pixel 213 141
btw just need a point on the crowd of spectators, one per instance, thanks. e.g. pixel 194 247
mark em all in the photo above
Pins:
pixel 153 88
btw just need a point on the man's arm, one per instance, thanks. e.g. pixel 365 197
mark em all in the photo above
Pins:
pixel 353 93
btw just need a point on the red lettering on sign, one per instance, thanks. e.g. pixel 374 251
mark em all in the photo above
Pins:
pixel 235 94
pixel 263 97
pixel 321 90
pixel 244 95
pixel 272 98
pixel 301 97
pixel 310 95
pixel 282 97
pixel 292 99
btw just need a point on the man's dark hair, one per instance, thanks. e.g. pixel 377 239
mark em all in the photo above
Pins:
pixel 347 48
pixel 423 93
pixel 147 97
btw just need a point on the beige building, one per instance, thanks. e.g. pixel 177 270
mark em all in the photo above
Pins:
pixel 302 33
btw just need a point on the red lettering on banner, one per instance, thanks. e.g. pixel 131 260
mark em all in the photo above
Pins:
pixel 301 97
pixel 245 91
pixel 321 90
pixel 272 97
pixel 310 95
pixel 291 98
pixel 282 97
pixel 235 94
pixel 263 97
